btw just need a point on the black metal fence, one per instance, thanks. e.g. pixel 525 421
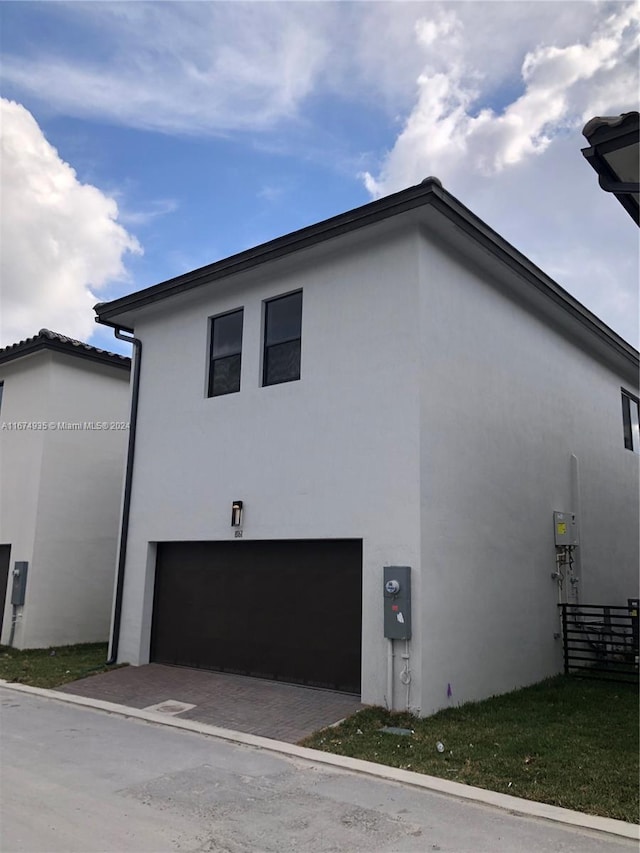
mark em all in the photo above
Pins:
pixel 601 641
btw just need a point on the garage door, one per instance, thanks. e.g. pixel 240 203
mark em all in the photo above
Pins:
pixel 284 610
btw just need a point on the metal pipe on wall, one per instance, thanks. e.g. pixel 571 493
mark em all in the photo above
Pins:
pixel 128 478
pixel 577 509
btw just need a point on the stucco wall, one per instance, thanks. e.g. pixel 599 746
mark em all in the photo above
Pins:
pixel 506 401
pixel 332 455
pixel 436 419
pixel 72 507
pixel 24 398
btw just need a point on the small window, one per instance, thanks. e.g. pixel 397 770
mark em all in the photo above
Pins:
pixel 226 353
pixel 631 422
pixel 282 338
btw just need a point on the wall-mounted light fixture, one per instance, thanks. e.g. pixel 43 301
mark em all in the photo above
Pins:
pixel 236 514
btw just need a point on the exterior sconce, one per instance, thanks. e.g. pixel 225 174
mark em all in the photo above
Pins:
pixel 236 514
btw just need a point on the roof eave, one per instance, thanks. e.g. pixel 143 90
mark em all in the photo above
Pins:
pixel 610 133
pixel 375 211
pixel 30 347
pixel 429 193
pixel 461 216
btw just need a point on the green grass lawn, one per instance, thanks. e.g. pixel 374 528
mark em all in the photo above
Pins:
pixel 52 667
pixel 569 742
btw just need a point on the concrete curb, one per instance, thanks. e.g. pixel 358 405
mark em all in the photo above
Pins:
pixel 514 805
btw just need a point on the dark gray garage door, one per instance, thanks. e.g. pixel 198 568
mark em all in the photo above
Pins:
pixel 285 610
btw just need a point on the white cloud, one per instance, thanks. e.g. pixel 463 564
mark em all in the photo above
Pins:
pixel 520 167
pixel 220 68
pixel 488 96
pixel 152 211
pixel 61 241
pixel 270 192
pixel 491 37
pixel 187 67
pixel 443 133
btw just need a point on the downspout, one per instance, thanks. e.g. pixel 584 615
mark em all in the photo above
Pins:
pixel 128 477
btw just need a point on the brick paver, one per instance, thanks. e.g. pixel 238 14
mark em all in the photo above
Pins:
pixel 285 712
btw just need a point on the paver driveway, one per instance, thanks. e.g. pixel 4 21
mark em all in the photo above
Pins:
pixel 253 705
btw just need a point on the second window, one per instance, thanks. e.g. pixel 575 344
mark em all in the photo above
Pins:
pixel 282 339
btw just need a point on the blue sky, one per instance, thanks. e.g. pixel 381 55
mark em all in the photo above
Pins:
pixel 145 139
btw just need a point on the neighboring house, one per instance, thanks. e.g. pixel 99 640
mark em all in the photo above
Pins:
pixel 614 153
pixel 395 386
pixel 64 417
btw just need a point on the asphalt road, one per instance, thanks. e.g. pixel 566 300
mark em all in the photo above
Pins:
pixel 78 779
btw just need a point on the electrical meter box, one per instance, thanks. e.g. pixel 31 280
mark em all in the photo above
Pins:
pixel 565 528
pixel 397 602
pixel 19 587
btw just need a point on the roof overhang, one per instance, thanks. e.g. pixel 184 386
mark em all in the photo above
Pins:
pixel 53 342
pixel 614 153
pixel 427 204
pixel 120 312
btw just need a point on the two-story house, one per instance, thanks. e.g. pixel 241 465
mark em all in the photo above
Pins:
pixel 64 412
pixel 393 387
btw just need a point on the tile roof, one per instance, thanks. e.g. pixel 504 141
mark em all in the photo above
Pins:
pixel 46 339
pixel 613 154
pixel 595 124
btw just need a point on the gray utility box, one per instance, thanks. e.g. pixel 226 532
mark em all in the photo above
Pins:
pixel 397 602
pixel 565 528
pixel 19 588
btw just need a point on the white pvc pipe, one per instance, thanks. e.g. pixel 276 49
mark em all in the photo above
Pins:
pixel 390 667
pixel 405 675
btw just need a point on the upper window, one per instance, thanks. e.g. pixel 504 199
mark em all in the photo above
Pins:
pixel 631 422
pixel 226 353
pixel 282 337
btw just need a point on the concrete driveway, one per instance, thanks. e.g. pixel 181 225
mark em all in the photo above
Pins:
pixel 270 709
pixel 78 780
